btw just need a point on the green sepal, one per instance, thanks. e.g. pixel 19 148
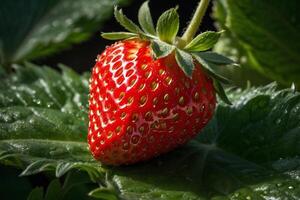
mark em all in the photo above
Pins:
pixel 215 58
pixel 118 35
pixel 168 25
pixel 145 19
pixel 220 91
pixel 161 49
pixel 208 67
pixel 203 41
pixel 185 62
pixel 125 22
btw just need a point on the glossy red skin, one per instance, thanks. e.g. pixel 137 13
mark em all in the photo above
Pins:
pixel 131 118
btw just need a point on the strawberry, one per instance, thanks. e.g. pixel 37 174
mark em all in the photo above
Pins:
pixel 148 94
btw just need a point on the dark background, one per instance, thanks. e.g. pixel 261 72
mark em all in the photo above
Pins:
pixel 86 52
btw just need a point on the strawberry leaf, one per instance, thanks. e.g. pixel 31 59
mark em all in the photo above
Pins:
pixel 168 25
pixel 203 41
pixel 54 190
pixel 118 35
pixel 125 22
pixel 36 194
pixel 252 36
pixel 248 150
pixel 44 114
pixel 185 62
pixel 161 49
pixel 31 29
pixel 145 19
pixel 103 193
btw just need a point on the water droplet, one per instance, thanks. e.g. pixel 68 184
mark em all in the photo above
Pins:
pixel 279 184
pixel 237 194
pixel 291 187
pixel 278 121
pixel 32 121
pixel 49 105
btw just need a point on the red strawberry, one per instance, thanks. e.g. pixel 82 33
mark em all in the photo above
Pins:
pixel 141 107
pixel 148 96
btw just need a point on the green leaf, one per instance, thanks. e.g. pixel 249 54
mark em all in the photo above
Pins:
pixel 77 190
pixel 54 190
pixel 168 25
pixel 209 67
pixel 76 185
pixel 44 114
pixel 203 41
pixel 161 49
pixel 31 28
pixel 37 167
pixel 36 194
pixel 145 19
pixel 125 22
pixel 118 35
pixel 249 149
pixel 185 62
pixel 271 113
pixel 103 193
pixel 263 34
pixel 215 58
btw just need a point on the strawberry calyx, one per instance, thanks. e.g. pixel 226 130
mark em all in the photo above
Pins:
pixel 164 42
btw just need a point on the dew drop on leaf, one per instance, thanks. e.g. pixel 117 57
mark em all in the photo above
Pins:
pixel 278 121
pixel 279 184
pixel 291 187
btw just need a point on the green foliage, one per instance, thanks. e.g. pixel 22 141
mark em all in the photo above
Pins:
pixel 74 187
pixel 249 149
pixel 263 35
pixel 104 193
pixel 45 113
pixel 34 28
pixel 36 194
pixel 203 41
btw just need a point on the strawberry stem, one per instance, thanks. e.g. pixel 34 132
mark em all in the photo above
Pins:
pixel 195 22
